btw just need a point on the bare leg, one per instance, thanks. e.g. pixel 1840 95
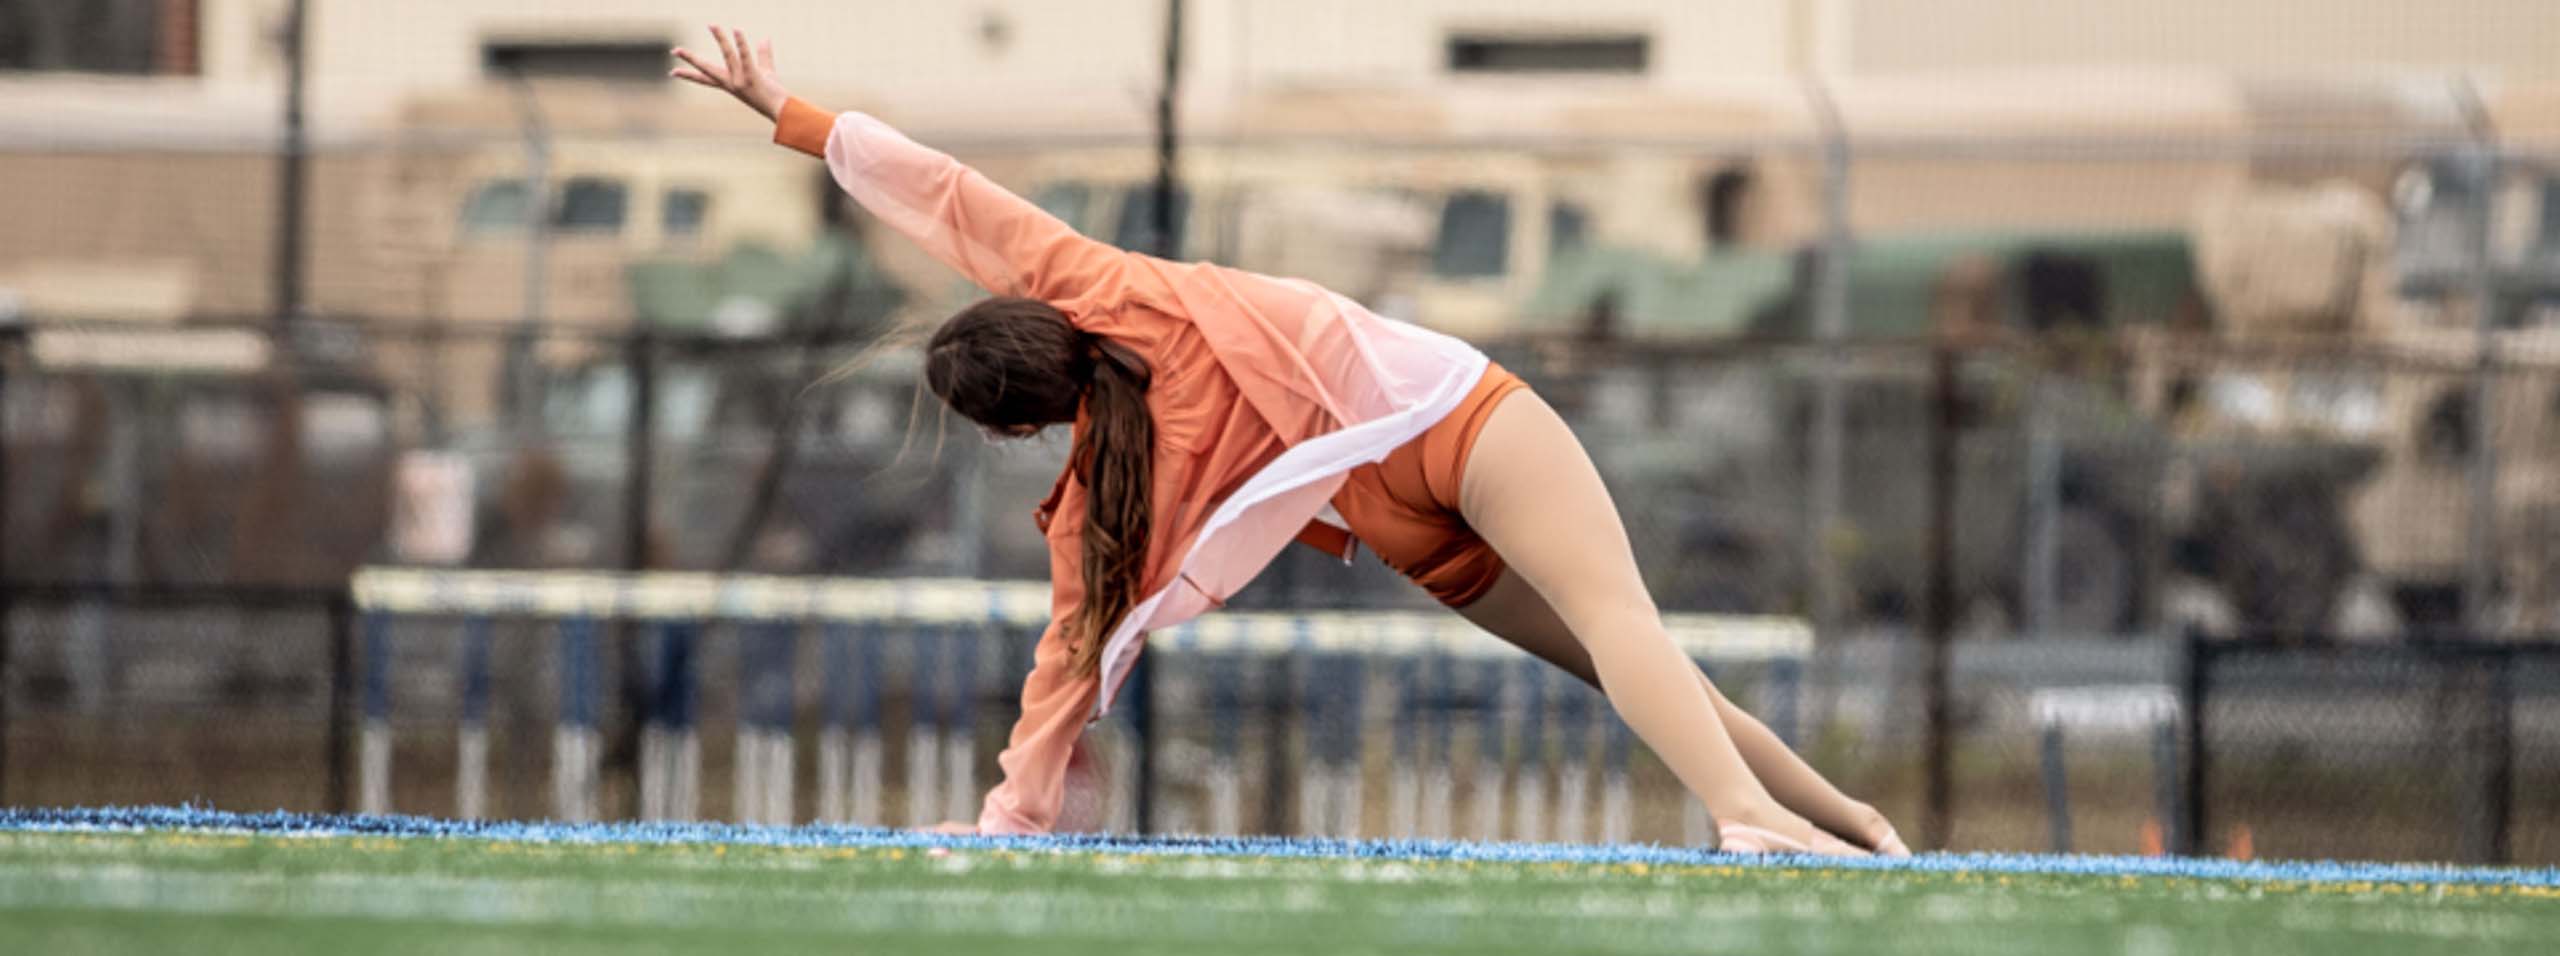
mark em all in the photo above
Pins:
pixel 1513 611
pixel 1533 494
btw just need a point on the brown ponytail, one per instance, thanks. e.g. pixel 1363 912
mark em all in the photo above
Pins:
pixel 1011 363
pixel 1118 465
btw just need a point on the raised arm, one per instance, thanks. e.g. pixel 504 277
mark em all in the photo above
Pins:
pixel 998 240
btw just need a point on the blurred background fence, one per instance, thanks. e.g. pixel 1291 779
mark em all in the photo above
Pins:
pixel 2070 411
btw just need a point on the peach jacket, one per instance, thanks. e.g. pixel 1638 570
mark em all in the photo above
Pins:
pixel 1266 392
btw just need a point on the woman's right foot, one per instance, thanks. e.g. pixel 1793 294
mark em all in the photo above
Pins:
pixel 1877 833
pixel 1745 838
pixel 1781 833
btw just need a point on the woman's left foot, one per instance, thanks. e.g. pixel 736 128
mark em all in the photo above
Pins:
pixel 1745 838
pixel 1733 837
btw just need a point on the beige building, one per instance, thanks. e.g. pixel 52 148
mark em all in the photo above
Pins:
pixel 1102 56
pixel 1606 118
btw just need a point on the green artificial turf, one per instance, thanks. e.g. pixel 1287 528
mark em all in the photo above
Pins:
pixel 155 892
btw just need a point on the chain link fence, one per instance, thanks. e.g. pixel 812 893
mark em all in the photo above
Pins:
pixel 2040 398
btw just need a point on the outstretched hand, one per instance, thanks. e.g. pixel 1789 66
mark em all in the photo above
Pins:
pixel 744 71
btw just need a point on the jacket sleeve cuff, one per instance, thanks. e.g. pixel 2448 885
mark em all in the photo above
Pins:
pixel 995 819
pixel 803 127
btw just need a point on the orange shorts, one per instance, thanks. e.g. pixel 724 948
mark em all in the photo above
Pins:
pixel 1405 507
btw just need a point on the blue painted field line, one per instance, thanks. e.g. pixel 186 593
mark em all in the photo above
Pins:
pixel 829 836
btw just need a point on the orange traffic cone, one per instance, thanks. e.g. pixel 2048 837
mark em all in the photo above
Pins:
pixel 2241 847
pixel 2154 841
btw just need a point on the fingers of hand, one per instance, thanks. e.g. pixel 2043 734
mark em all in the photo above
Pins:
pixel 728 50
pixel 742 56
pixel 764 56
pixel 698 71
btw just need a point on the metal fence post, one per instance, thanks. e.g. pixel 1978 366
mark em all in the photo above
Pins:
pixel 2481 167
pixel 1938 816
pixel 1142 720
pixel 638 468
pixel 1279 768
pixel 8 593
pixel 342 653
pixel 1829 315
pixel 639 449
pixel 2193 697
pixel 292 170
pixel 2471 679
pixel 2501 731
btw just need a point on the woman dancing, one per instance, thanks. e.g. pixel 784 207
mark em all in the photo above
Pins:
pixel 1218 415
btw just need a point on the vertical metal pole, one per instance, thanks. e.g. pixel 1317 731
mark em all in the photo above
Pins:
pixel 1168 242
pixel 1938 819
pixel 2166 778
pixel 639 451
pixel 342 652
pixel 373 764
pixel 1830 306
pixel 2057 789
pixel 291 170
pixel 523 380
pixel 2044 506
pixel 8 592
pixel 1279 767
pixel 639 447
pixel 2195 699
pixel 2501 744
pixel 1142 719
pixel 2476 704
pixel 2480 571
pixel 2479 578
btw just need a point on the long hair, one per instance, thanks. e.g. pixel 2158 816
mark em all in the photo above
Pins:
pixel 1009 363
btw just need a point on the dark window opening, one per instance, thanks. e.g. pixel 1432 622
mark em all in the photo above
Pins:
pixel 137 37
pixel 2062 290
pixel 1722 197
pixel 682 212
pixel 2547 239
pixel 583 204
pixel 496 206
pixel 1137 226
pixel 1612 53
pixel 836 210
pixel 2551 419
pixel 589 204
pixel 1071 202
pixel 2444 435
pixel 1568 228
pixel 1475 236
pixel 621 61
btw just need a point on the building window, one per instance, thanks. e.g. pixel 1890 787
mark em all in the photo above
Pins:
pixel 583 204
pixel 589 204
pixel 682 212
pixel 138 37
pixel 1137 226
pixel 620 61
pixel 496 206
pixel 1722 197
pixel 2547 239
pixel 1568 227
pixel 2444 435
pixel 1071 202
pixel 1475 236
pixel 1626 54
